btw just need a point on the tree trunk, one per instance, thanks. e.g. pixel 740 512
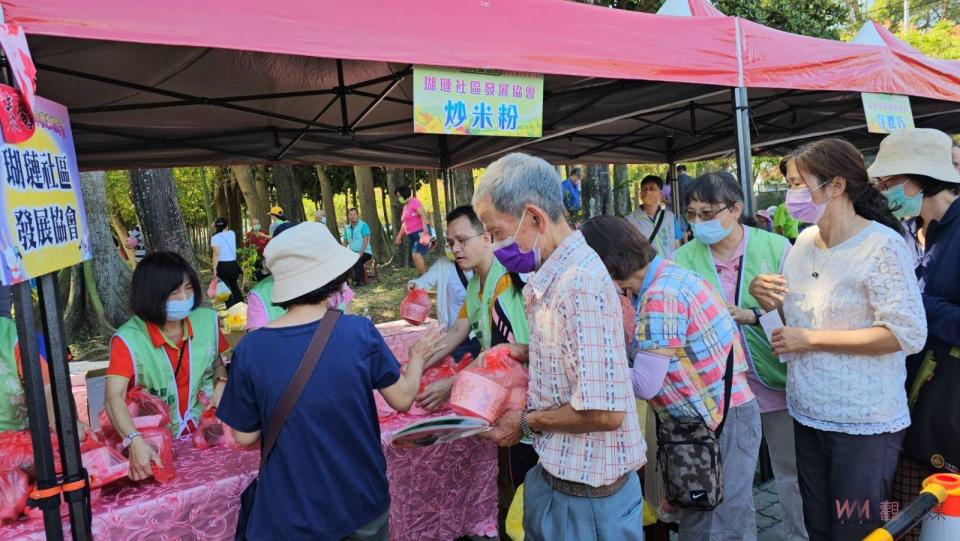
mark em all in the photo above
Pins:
pixel 595 199
pixel 158 210
pixel 263 190
pixel 111 276
pixel 289 192
pixel 463 186
pixel 326 193
pixel 207 197
pixel 395 180
pixel 221 209
pixel 437 216
pixel 382 250
pixel 234 206
pixel 256 207
pixel 621 190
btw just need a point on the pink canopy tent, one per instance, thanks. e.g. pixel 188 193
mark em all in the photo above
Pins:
pixel 185 83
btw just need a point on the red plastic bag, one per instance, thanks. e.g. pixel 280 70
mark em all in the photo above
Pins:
pixel 488 391
pixel 16 451
pixel 415 307
pixel 14 488
pixel 436 372
pixel 147 411
pixel 105 465
pixel 162 443
pixel 211 432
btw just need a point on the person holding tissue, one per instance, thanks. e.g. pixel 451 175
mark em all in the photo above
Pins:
pixel 853 312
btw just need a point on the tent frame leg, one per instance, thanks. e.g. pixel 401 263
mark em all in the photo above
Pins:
pixel 741 115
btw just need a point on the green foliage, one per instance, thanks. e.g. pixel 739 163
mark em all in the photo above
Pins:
pixel 187 180
pixel 818 18
pixel 247 257
pixel 118 196
pixel 924 14
pixel 940 41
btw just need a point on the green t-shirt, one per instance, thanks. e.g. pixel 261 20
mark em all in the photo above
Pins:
pixel 789 227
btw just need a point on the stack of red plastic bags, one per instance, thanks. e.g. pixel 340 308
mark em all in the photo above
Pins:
pixel 488 391
pixel 151 417
pixel 415 307
pixel 442 370
pixel 212 432
pixel 17 471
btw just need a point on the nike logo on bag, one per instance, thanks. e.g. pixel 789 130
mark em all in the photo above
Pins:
pixel 697 495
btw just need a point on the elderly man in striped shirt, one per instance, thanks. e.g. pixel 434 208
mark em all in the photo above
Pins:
pixel 581 412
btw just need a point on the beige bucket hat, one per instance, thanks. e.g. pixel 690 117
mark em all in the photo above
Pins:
pixel 916 151
pixel 305 258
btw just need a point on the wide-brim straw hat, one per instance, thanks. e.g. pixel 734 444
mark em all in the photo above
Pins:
pixel 916 151
pixel 305 258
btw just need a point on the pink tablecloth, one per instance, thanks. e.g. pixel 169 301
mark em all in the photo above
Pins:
pixel 201 503
pixel 437 493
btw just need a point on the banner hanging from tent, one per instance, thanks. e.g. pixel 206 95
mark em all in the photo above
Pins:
pixel 886 113
pixel 477 102
pixel 45 226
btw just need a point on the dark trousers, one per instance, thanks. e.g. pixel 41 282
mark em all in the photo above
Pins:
pixel 229 272
pixel 358 268
pixel 844 479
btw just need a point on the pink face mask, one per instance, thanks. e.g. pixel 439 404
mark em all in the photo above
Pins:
pixel 800 205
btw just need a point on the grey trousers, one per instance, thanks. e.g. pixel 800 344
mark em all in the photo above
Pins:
pixel 778 431
pixel 735 518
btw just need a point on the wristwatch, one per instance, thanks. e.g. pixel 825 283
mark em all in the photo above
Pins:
pixel 130 437
pixel 525 427
pixel 756 314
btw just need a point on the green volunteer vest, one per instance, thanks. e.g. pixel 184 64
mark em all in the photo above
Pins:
pixel 478 308
pixel 762 255
pixel 153 372
pixel 264 291
pixel 13 408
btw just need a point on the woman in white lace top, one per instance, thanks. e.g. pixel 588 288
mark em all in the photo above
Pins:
pixel 853 312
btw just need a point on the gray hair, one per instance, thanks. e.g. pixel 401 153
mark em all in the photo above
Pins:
pixel 319 213
pixel 517 180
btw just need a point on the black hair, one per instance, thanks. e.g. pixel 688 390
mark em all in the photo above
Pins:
pixel 681 168
pixel 654 179
pixel 403 191
pixel 155 278
pixel 576 171
pixel 750 221
pixel 317 296
pixel 220 224
pixel 827 159
pixel 718 187
pixel 466 211
pixel 619 244
pixel 932 186
pixel 353 209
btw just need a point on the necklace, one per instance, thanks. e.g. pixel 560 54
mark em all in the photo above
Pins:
pixel 816 271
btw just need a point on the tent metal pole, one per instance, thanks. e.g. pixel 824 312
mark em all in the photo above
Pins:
pixel 64 408
pixel 36 402
pixel 672 177
pixel 741 110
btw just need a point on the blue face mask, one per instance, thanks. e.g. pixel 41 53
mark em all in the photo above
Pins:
pixel 710 232
pixel 178 309
pixel 906 207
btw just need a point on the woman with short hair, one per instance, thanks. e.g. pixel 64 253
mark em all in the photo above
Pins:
pixel 913 167
pixel 413 223
pixel 326 476
pixel 684 339
pixel 729 255
pixel 853 312
pixel 171 348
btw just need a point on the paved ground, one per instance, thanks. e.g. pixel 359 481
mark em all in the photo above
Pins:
pixel 769 514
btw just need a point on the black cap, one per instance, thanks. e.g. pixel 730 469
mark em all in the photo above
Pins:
pixel 220 222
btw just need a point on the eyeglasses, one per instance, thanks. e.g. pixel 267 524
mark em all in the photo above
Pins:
pixel 453 243
pixel 885 183
pixel 706 215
